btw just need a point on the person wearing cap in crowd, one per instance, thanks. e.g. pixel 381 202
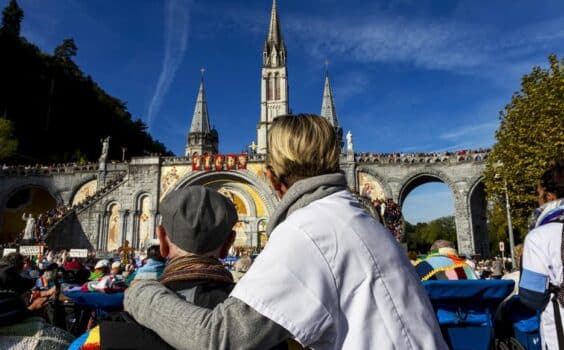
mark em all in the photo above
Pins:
pixel 196 232
pixel 19 327
pixel 443 263
pixel 100 270
pixel 109 283
pixel 154 265
pixel 115 269
pixel 330 276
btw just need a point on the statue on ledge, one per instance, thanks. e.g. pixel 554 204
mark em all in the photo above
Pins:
pixel 29 229
pixel 105 149
pixel 349 143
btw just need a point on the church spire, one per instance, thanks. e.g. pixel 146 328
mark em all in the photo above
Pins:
pixel 328 110
pixel 200 119
pixel 201 138
pixel 274 54
pixel 274 32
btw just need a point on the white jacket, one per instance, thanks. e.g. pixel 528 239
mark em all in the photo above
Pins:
pixel 542 265
pixel 337 279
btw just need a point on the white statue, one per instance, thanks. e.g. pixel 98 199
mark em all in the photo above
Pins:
pixel 29 226
pixel 105 148
pixel 349 142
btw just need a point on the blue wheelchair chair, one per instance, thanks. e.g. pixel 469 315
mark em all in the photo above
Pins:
pixel 517 327
pixel 465 310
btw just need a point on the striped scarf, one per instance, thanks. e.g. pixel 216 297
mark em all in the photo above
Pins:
pixel 549 212
pixel 195 267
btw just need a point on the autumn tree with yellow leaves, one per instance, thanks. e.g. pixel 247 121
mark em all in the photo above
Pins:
pixel 530 139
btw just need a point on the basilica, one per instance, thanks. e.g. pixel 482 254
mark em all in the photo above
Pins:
pixel 111 202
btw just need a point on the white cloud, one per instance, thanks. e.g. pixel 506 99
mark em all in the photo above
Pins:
pixel 453 44
pixel 176 42
pixel 470 130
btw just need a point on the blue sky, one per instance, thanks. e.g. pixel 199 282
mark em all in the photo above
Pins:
pixel 408 75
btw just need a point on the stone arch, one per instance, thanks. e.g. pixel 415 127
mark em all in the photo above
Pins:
pixel 80 187
pixel 27 198
pixel 264 192
pixel 381 180
pixel 45 185
pixel 477 204
pixel 247 200
pixel 416 179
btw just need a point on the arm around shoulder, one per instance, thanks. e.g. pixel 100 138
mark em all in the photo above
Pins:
pixel 230 325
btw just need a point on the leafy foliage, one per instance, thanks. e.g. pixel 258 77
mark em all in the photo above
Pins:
pixel 59 113
pixel 8 143
pixel 11 19
pixel 530 139
pixel 423 234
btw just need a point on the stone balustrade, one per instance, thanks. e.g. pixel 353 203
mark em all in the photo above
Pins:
pixel 453 157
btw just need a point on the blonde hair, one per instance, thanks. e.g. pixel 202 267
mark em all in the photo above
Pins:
pixel 302 146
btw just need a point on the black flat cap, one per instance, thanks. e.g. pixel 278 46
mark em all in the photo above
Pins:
pixel 197 219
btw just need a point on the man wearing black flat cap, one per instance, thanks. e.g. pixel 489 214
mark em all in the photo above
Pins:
pixel 195 232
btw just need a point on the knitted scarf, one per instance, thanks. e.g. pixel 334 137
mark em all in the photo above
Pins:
pixel 443 264
pixel 302 193
pixel 195 267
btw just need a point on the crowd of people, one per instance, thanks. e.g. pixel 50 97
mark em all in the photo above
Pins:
pixel 426 155
pixel 47 168
pixel 36 229
pixel 330 277
pixel 392 218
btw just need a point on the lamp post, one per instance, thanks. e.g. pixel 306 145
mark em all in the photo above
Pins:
pixel 123 149
pixel 508 213
pixel 509 226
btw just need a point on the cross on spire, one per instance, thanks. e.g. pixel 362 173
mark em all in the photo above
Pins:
pixel 202 71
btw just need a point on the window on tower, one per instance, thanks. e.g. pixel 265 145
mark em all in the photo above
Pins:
pixel 277 86
pixel 269 84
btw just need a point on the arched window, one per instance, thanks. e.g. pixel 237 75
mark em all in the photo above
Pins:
pixel 113 227
pixel 143 219
pixel 277 86
pixel 269 82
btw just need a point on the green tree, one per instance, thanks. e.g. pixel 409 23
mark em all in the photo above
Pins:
pixel 8 143
pixel 12 17
pixel 423 234
pixel 64 98
pixel 66 50
pixel 530 138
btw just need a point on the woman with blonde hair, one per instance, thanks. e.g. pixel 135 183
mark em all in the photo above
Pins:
pixel 330 276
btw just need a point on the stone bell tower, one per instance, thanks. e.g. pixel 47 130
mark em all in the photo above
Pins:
pixel 274 80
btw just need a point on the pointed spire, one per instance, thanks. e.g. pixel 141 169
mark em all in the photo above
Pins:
pixel 274 54
pixel 200 119
pixel 328 110
pixel 274 32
